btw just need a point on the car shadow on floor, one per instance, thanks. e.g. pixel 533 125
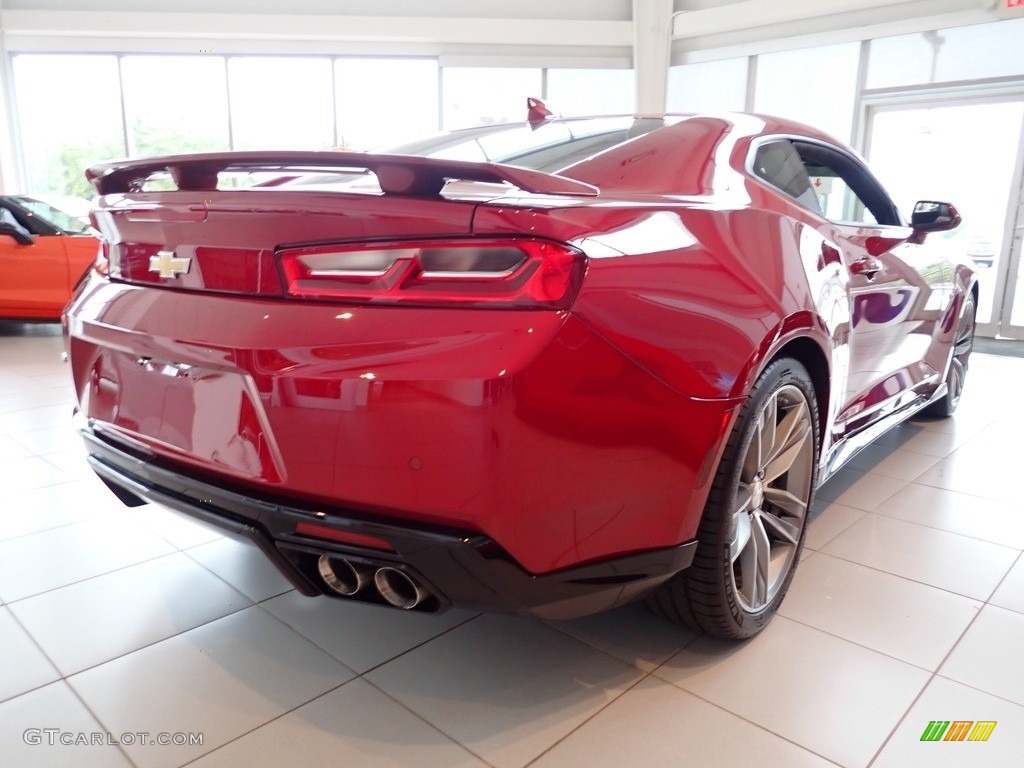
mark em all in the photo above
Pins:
pixel 16 329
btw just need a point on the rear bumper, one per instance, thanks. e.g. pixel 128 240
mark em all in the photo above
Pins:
pixel 526 427
pixel 454 567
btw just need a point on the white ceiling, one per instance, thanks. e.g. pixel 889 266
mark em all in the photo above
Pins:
pixel 501 32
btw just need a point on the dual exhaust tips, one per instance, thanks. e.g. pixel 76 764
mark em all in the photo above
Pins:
pixel 394 585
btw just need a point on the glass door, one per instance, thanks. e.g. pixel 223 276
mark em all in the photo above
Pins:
pixel 968 152
pixel 1014 298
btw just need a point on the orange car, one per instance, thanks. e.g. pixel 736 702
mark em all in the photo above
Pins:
pixel 43 254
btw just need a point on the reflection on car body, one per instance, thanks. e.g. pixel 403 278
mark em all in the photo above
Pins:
pixel 981 250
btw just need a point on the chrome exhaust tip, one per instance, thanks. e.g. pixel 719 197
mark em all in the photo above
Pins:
pixel 398 589
pixel 341 576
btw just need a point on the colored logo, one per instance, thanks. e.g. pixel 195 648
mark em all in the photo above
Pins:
pixel 958 730
pixel 166 264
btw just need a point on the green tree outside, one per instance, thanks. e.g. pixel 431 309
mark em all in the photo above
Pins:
pixel 64 171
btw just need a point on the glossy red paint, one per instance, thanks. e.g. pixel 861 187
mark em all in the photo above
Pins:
pixel 495 421
pixel 566 436
pixel 37 280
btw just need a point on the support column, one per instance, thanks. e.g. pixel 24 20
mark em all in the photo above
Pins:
pixel 8 167
pixel 652 41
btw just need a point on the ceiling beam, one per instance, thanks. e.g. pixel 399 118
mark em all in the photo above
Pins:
pixel 753 14
pixel 389 29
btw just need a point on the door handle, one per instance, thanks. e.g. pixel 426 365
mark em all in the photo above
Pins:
pixel 868 267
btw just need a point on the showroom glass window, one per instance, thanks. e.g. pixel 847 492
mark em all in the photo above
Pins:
pixel 817 86
pixel 175 104
pixel 69 114
pixel 486 95
pixel 281 102
pixel 708 86
pixel 974 52
pixel 384 102
pixel 591 91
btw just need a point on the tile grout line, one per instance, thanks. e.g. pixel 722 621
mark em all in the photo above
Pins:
pixel 931 677
pixel 62 679
pixel 421 718
pixel 356 676
pixel 645 675
pixel 936 673
pixel 907 578
pixel 133 650
pixel 737 715
pixel 87 578
pixel 198 626
pixel 652 673
pixel 96 717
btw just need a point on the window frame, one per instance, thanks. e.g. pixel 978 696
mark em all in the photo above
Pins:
pixel 854 173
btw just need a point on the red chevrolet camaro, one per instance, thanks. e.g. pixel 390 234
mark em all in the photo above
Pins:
pixel 548 368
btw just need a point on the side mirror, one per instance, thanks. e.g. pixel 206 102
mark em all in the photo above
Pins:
pixel 931 216
pixel 20 235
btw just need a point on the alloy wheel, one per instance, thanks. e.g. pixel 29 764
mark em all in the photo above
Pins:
pixel 772 498
pixel 961 355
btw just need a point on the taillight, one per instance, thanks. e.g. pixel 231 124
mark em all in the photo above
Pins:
pixel 507 272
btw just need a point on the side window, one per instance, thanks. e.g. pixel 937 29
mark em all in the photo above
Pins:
pixel 15 219
pixel 829 182
pixel 780 165
pixel 845 190
pixel 41 214
pixel 8 216
pixel 837 199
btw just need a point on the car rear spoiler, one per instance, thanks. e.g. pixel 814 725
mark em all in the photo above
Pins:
pixel 397 174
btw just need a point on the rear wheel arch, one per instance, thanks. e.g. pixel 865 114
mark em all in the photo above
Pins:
pixel 809 353
pixel 807 350
pixel 752 530
pixel 962 343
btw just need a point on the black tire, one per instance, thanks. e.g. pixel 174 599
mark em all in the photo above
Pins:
pixel 754 522
pixel 956 376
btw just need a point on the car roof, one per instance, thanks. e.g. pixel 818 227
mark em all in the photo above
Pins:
pixel 628 154
pixel 768 124
pixel 638 154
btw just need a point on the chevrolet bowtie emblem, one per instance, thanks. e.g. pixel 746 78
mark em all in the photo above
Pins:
pixel 166 264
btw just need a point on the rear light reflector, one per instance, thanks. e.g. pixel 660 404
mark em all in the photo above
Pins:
pixel 345 537
pixel 499 272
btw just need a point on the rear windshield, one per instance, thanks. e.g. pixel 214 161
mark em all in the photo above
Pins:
pixel 549 147
pixel 546 147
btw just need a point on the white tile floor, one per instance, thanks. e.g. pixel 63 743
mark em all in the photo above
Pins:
pixel 907 608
